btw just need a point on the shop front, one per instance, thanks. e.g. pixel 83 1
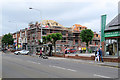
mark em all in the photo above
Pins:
pixel 112 43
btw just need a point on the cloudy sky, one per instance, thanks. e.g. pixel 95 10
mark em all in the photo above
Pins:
pixel 16 14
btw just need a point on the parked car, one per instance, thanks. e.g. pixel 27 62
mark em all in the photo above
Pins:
pixel 57 51
pixel 71 50
pixel 23 52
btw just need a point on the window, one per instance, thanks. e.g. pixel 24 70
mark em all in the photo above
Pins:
pixel 111 47
pixel 96 43
pixel 56 23
pixel 44 32
pixel 90 42
pixel 96 35
pixel 76 41
pixel 63 40
pixel 50 31
pixel 80 28
pixel 70 34
pixel 63 32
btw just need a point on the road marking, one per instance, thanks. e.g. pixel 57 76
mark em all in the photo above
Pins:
pixel 39 63
pixel 63 68
pixel 57 67
pixel 33 62
pixel 72 70
pixel 101 76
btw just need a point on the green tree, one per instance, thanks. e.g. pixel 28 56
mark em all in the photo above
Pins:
pixel 86 36
pixel 55 37
pixel 44 39
pixel 52 38
pixel 7 40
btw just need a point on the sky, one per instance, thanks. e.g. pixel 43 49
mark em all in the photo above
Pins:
pixel 16 15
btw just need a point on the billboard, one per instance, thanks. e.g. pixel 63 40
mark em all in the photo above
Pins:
pixel 103 24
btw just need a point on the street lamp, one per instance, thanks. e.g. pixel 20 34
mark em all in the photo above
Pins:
pixel 41 22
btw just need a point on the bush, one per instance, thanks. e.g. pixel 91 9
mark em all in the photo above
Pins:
pixel 90 51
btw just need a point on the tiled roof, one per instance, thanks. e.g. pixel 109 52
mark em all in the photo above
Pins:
pixel 114 24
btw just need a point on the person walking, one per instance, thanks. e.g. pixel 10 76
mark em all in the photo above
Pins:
pixel 66 50
pixel 40 52
pixel 97 55
pixel 100 54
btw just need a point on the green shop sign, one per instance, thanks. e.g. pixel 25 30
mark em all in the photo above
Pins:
pixel 112 34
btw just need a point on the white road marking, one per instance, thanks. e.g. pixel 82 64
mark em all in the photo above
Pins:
pixel 57 67
pixel 33 62
pixel 101 76
pixel 39 63
pixel 72 70
pixel 63 68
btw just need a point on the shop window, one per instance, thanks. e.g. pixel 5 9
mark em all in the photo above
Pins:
pixel 111 47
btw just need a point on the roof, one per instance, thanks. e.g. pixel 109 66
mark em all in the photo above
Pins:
pixel 114 24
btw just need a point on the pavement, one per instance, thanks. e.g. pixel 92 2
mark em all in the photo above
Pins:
pixel 109 64
pixel 20 66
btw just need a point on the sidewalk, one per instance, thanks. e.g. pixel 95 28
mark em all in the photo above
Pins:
pixel 109 64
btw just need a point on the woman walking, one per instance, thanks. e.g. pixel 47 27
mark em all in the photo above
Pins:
pixel 97 55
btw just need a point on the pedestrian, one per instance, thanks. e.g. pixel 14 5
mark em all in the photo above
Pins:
pixel 66 50
pixel 97 55
pixel 100 54
pixel 40 52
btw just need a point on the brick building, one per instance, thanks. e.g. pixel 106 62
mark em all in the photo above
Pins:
pixel 29 38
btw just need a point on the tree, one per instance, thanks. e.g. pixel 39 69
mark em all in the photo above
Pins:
pixel 44 39
pixel 55 37
pixel 52 38
pixel 7 40
pixel 86 36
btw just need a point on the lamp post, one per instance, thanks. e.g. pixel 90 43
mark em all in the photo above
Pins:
pixel 41 22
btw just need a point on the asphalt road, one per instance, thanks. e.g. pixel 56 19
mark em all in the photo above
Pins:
pixel 19 66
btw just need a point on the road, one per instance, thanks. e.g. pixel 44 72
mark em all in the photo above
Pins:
pixel 20 66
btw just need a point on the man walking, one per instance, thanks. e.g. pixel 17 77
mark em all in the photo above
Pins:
pixel 100 53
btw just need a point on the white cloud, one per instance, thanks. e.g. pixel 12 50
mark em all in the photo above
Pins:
pixel 66 12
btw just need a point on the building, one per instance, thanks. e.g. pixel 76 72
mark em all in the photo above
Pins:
pixel 112 37
pixel 0 42
pixel 30 38
pixel 20 39
pixel 48 27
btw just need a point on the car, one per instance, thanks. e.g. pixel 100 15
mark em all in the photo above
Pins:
pixel 71 50
pixel 23 52
pixel 57 51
